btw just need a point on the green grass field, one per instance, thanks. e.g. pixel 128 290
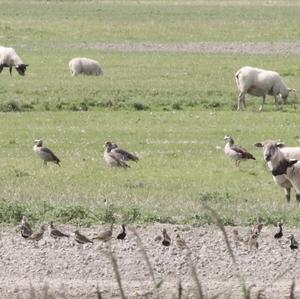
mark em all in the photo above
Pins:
pixel 188 102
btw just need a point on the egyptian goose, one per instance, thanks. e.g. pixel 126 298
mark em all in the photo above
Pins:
pixel 38 235
pixel 112 157
pixel 181 244
pixel 45 153
pixel 236 152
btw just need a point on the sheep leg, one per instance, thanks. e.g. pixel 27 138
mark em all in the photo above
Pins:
pixel 10 69
pixel 262 104
pixel 276 102
pixel 298 198
pixel 1 67
pixel 287 192
pixel 241 100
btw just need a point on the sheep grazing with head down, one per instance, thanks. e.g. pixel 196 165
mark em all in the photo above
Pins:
pixel 10 59
pixel 85 66
pixel 260 83
pixel 281 160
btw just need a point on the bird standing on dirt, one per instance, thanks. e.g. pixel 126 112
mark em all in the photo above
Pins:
pixel 37 236
pixel 181 244
pixel 25 228
pixel 106 235
pixel 166 238
pixel 55 233
pixel 45 153
pixel 81 239
pixel 236 152
pixel 253 242
pixel 122 235
pixel 294 244
pixel 258 226
pixel 237 238
pixel 279 234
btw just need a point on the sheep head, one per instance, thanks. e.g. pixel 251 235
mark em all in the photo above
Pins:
pixel 21 68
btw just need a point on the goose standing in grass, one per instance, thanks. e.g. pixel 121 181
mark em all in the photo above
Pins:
pixel 81 239
pixel 45 153
pixel 55 233
pixel 166 238
pixel 279 234
pixel 294 243
pixel 236 152
pixel 38 235
pixel 122 234
pixel 117 157
pixel 106 235
pixel 25 228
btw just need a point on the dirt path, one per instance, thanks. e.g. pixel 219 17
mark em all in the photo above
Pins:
pixel 200 47
pixel 65 267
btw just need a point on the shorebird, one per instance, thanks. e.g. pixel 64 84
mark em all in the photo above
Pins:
pixel 45 153
pixel 252 242
pixel 105 236
pixel 81 239
pixel 166 238
pixel 258 226
pixel 181 244
pixel 279 234
pixel 25 228
pixel 236 152
pixel 55 233
pixel 122 235
pixel 38 235
pixel 294 243
pixel 237 238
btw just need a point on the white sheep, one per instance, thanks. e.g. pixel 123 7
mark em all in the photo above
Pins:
pixel 10 59
pixel 270 150
pixel 260 83
pixel 85 66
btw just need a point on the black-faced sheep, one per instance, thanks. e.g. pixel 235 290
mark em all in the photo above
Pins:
pixel 85 66
pixel 273 153
pixel 10 59
pixel 260 83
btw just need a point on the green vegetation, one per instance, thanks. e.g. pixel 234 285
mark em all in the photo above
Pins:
pixel 171 108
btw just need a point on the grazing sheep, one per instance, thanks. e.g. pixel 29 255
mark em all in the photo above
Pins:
pixel 260 83
pixel 85 66
pixel 278 158
pixel 9 58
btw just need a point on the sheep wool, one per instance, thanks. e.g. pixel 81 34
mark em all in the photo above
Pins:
pixel 85 66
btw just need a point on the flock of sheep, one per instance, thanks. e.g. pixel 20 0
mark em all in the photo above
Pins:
pixel 258 82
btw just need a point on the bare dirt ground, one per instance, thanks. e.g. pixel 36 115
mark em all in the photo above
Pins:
pixel 199 47
pixel 66 269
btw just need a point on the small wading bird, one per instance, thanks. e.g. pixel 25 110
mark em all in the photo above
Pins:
pixel 252 242
pixel 279 234
pixel 236 152
pixel 181 244
pixel 122 234
pixel 237 238
pixel 25 228
pixel 106 235
pixel 166 238
pixel 116 157
pixel 37 236
pixel 81 239
pixel 45 153
pixel 55 233
pixel 294 243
